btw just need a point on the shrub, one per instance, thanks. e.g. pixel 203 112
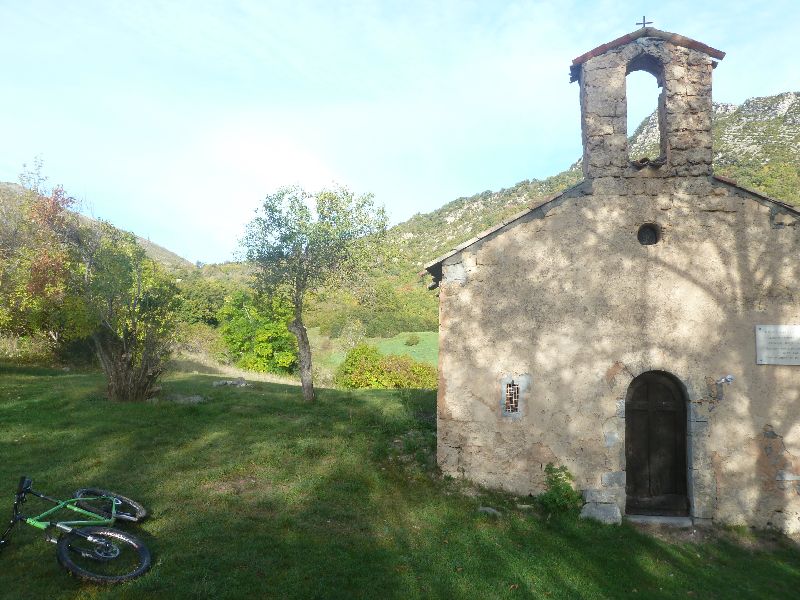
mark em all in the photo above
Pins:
pixel 365 367
pixel 360 369
pixel 402 372
pixel 76 352
pixel 560 496
pixel 386 312
pixel 412 340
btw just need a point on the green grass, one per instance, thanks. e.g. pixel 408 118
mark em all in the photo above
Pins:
pixel 427 350
pixel 329 353
pixel 254 494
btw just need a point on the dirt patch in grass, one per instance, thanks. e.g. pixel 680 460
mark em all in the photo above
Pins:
pixel 754 539
pixel 682 535
pixel 747 538
pixel 233 486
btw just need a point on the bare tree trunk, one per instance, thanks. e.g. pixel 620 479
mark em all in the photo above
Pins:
pixel 126 379
pixel 304 357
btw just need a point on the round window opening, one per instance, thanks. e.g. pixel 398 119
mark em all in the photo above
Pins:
pixel 649 234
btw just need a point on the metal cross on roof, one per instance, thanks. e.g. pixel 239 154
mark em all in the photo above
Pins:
pixel 644 22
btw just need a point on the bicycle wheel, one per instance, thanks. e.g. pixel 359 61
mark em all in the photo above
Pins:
pixel 127 509
pixel 112 556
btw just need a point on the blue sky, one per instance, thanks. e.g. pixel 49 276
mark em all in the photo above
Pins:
pixel 173 119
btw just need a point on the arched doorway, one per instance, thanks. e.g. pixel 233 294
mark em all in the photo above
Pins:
pixel 655 446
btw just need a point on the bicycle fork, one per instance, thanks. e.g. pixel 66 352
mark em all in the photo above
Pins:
pixel 3 537
pixel 15 517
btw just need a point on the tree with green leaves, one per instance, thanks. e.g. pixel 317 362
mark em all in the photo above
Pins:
pixel 130 306
pixel 254 329
pixel 72 279
pixel 302 243
pixel 201 299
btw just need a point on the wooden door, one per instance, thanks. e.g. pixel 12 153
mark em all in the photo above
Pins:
pixel 655 446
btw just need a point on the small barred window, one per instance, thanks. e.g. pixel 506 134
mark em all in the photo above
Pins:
pixel 512 398
pixel 513 391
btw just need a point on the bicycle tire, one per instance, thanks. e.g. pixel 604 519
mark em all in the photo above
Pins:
pixel 119 557
pixel 127 509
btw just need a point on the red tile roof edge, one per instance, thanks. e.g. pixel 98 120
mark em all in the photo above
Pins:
pixel 674 38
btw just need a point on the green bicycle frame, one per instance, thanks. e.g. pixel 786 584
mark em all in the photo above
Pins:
pixel 43 521
pixel 39 523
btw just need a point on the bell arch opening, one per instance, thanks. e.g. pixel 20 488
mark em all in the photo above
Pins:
pixel 646 112
pixel 655 446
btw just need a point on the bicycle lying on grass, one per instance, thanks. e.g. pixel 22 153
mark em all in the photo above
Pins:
pixel 89 548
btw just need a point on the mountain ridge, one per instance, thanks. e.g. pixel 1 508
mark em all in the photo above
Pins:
pixel 756 143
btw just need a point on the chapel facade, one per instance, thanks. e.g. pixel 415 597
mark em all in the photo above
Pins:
pixel 641 328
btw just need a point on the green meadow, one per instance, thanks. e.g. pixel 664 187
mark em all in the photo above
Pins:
pixel 254 494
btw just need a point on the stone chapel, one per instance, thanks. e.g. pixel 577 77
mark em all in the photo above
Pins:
pixel 641 328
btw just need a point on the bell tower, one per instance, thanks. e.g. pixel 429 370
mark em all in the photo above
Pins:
pixel 682 68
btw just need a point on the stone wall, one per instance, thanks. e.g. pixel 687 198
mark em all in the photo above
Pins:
pixel 568 296
pixel 684 109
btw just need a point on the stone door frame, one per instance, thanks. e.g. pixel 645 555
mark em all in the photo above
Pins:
pixel 701 395
pixel 677 500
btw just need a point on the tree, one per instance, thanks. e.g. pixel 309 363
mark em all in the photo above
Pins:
pixel 302 243
pixel 130 309
pixel 35 257
pixel 201 299
pixel 73 278
pixel 255 333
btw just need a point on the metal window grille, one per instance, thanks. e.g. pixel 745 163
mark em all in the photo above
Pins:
pixel 512 398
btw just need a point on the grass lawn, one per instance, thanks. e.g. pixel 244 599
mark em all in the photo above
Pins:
pixel 329 353
pixel 427 350
pixel 254 494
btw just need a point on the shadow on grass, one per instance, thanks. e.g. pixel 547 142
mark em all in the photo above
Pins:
pixel 188 365
pixel 10 369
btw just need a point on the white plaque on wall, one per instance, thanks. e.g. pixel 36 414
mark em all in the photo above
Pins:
pixel 778 344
